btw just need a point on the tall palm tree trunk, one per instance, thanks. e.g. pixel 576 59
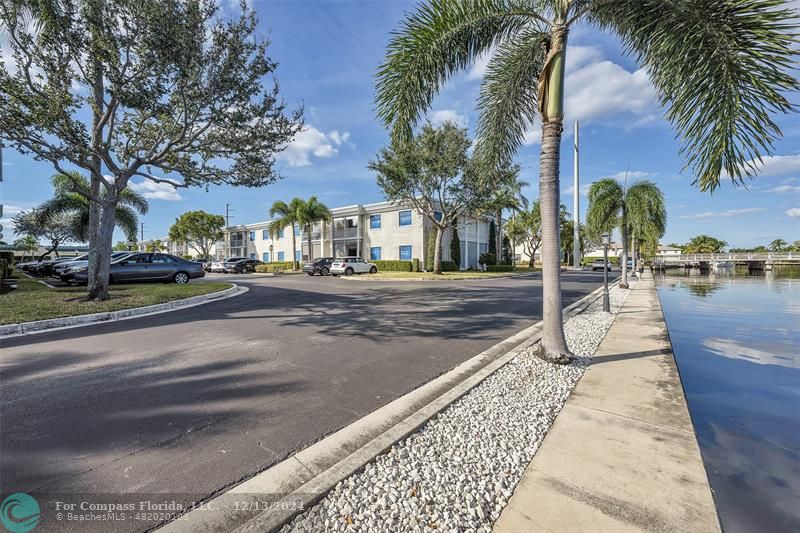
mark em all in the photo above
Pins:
pixel 553 346
pixel 308 238
pixel 437 251
pixel 498 239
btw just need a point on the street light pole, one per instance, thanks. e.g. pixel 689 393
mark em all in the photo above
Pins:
pixel 605 239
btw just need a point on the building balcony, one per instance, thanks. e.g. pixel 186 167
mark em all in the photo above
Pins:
pixel 345 233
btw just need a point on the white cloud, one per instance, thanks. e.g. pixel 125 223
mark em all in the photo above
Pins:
pixel 533 135
pixel 478 69
pixel 630 174
pixel 773 165
pixel 726 214
pixel 577 56
pixel 156 191
pixel 311 141
pixel 785 188
pixel 570 190
pixel 794 212
pixel 602 89
pixel 441 116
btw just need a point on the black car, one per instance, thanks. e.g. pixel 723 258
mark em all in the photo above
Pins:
pixel 241 266
pixel 321 266
pixel 45 268
pixel 148 267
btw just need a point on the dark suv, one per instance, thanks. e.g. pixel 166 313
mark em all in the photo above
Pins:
pixel 321 266
pixel 240 266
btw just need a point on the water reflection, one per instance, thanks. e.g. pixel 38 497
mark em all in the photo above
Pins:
pixel 736 340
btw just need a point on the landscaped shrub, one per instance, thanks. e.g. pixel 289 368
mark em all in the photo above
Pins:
pixel 4 270
pixel 394 266
pixel 449 266
pixel 8 256
pixel 415 265
pixel 499 268
pixel 487 258
pixel 614 260
pixel 278 266
pixel 188 257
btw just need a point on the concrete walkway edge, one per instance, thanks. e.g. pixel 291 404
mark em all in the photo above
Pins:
pixel 305 477
pixel 42 326
pixel 622 455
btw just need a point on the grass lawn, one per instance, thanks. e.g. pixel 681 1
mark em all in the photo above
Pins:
pixel 444 276
pixel 35 301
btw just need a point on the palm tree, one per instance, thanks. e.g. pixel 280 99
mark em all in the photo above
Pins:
pixel 72 191
pixel 309 212
pixel 639 207
pixel 721 68
pixel 288 215
pixel 778 245
pixel 507 195
pixel 704 244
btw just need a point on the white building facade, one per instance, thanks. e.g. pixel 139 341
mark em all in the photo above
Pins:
pixel 380 231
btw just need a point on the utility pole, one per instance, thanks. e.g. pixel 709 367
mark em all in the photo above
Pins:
pixel 228 212
pixel 141 231
pixel 576 218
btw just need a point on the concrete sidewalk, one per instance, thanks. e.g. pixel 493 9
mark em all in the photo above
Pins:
pixel 622 454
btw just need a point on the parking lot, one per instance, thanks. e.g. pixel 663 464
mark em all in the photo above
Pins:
pixel 193 401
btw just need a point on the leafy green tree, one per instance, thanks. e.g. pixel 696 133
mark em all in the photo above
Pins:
pixel 704 244
pixel 168 91
pixel 455 245
pixel 506 195
pixel 568 238
pixel 309 212
pixel 640 207
pixel 71 198
pixel 722 69
pixel 121 246
pixel 433 173
pixel 56 229
pixel 526 229
pixel 28 244
pixel 795 247
pixel 287 215
pixel 431 252
pixel 198 229
pixel 778 245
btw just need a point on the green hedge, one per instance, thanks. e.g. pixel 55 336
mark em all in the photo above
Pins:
pixel 499 268
pixel 278 266
pixel 415 265
pixel 449 266
pixel 5 271
pixel 614 260
pixel 394 266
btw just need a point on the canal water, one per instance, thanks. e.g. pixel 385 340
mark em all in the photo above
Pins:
pixel 736 339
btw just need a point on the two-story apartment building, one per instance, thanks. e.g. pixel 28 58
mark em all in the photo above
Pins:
pixel 379 231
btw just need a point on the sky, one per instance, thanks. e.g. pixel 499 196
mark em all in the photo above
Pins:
pixel 328 52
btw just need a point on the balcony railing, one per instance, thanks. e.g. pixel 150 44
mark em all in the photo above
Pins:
pixel 345 233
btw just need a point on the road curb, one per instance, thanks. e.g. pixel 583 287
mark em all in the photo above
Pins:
pixel 305 477
pixel 444 279
pixel 41 326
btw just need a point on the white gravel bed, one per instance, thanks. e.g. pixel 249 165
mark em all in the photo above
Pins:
pixel 458 471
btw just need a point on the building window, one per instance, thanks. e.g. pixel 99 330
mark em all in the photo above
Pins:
pixel 265 257
pixel 265 235
pixel 253 255
pixel 252 235
pixel 297 230
pixel 375 253
pixel 281 257
pixel 375 222
pixel 437 216
pixel 405 218
pixel 280 233
pixel 405 252
pixel 298 255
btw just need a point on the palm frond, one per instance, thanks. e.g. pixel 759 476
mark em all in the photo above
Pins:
pixel 606 198
pixel 441 38
pixel 135 200
pixel 722 68
pixel 127 221
pixel 508 97
pixel 646 209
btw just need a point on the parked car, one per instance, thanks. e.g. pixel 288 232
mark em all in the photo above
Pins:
pixel 61 267
pixel 598 264
pixel 148 267
pixel 240 266
pixel 45 268
pixel 219 266
pixel 66 271
pixel 321 266
pixel 352 265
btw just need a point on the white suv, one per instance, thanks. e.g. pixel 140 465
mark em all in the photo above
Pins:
pixel 352 265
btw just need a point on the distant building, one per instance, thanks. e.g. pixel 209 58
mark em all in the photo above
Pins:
pixel 379 231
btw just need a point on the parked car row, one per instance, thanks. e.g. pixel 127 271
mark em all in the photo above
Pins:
pixel 125 267
pixel 346 266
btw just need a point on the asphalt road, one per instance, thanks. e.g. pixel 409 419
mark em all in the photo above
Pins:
pixel 194 401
